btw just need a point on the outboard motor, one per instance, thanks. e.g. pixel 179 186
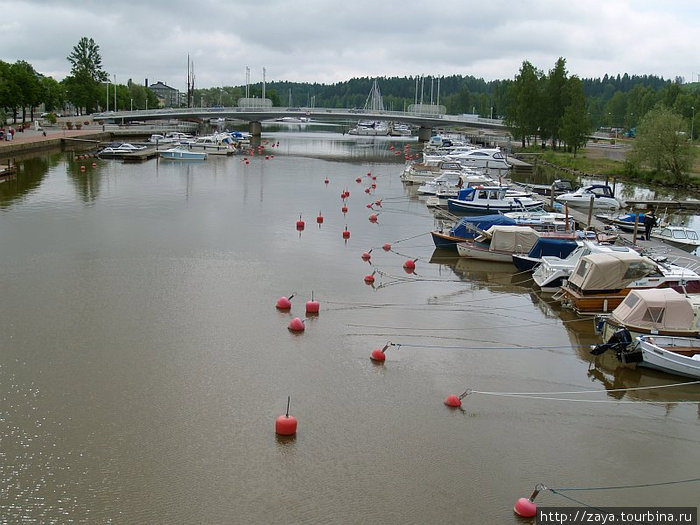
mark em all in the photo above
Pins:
pixel 619 341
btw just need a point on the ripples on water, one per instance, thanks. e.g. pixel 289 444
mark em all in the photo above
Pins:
pixel 143 362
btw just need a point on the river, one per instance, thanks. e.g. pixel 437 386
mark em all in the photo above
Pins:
pixel 143 362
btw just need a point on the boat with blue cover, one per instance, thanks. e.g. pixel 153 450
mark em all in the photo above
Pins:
pixel 545 246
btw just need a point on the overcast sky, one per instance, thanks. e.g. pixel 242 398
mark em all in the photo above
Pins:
pixel 331 41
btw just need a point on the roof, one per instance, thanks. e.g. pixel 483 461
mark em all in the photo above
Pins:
pixel 656 308
pixel 516 239
pixel 610 271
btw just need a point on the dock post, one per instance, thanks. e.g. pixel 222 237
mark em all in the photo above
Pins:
pixel 255 128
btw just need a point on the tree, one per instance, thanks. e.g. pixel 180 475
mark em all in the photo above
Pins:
pixel 662 144
pixel 523 111
pixel 86 57
pixel 83 85
pixel 26 82
pixel 554 101
pixel 576 125
pixel 52 94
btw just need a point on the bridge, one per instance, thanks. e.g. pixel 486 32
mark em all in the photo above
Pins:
pixel 256 115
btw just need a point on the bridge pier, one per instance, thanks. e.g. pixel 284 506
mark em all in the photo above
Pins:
pixel 424 134
pixel 255 128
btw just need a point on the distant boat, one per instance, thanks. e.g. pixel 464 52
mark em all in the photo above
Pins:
pixel 601 195
pixel 499 243
pixel 181 153
pixel 489 199
pixel 679 236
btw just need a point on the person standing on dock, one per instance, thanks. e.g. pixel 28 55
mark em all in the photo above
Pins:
pixel 649 223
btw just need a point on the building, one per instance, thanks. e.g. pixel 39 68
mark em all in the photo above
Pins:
pixel 169 97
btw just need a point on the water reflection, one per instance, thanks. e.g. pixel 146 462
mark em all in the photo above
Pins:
pixel 29 177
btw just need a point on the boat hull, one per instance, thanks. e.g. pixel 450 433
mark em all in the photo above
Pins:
pixel 656 353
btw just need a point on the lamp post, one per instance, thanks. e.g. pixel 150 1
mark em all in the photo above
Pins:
pixel 692 123
pixel 132 103
pixel 115 92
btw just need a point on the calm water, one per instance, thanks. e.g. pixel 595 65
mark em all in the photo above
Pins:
pixel 143 362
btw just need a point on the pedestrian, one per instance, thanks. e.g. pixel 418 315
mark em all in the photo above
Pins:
pixel 649 223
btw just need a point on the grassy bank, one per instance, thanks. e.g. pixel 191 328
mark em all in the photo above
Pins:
pixel 602 160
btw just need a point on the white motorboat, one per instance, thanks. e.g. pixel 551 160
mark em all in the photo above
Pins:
pixel 489 199
pixel 491 159
pixel 422 172
pixel 218 144
pixel 674 355
pixel 678 236
pixel 182 153
pixel 600 194
pixel 553 271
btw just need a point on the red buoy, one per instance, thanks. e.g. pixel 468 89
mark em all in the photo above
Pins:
pixel 284 303
pixel 367 190
pixel 346 233
pixel 374 186
pixel 286 425
pixel 94 164
pixel 369 279
pixel 409 265
pixel 366 255
pixel 379 354
pixel 326 181
pixel 386 247
pixel 82 168
pixel 453 401
pixel 358 179
pixel 347 193
pixel 369 206
pixel 300 224
pixel 378 203
pixel 296 325
pixel 319 219
pixel 373 217
pixel 312 307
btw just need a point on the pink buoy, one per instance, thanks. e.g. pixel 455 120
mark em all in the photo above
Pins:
pixel 378 203
pixel 312 307
pixel 286 425
pixel 374 186
pixel 369 206
pixel 296 325
pixel 373 217
pixel 94 164
pixel 409 265
pixel 284 303
pixel 525 508
pixel 367 190
pixel 82 168
pixel 453 401
pixel 386 247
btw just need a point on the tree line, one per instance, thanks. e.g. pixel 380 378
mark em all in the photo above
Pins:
pixel 552 107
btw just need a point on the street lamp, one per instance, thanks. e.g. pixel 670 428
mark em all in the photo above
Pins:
pixel 132 104
pixel 692 123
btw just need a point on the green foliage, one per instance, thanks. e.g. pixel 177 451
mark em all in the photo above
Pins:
pixel 576 125
pixel 662 145
pixel 83 86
